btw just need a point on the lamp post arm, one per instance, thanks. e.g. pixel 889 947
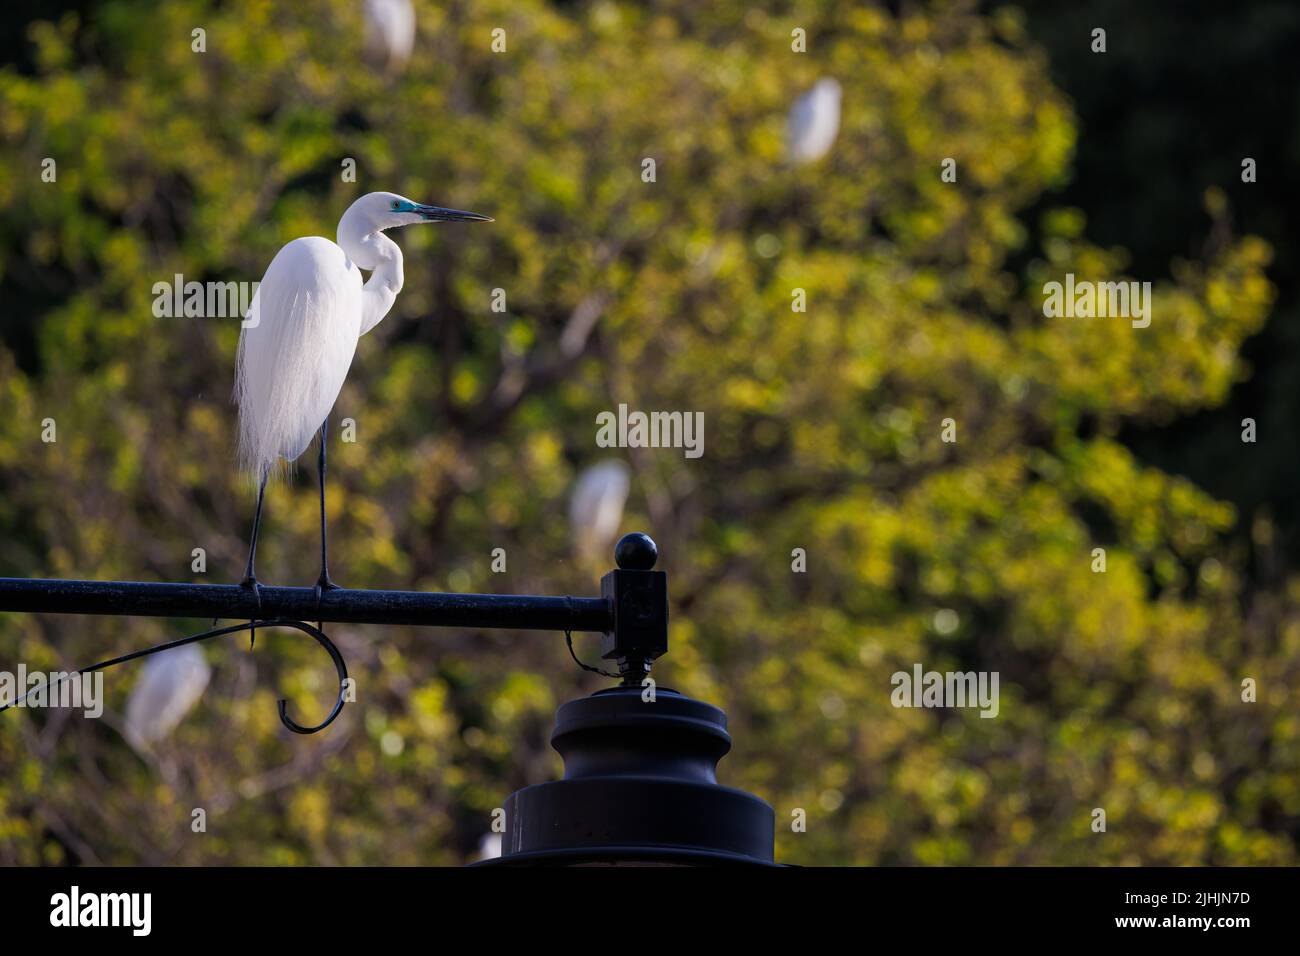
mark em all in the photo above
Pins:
pixel 342 605
pixel 631 614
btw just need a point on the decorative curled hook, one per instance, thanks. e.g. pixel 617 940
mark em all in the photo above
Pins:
pixel 339 666
pixel 285 719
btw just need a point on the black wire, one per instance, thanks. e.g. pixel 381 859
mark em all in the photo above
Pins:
pixel 568 639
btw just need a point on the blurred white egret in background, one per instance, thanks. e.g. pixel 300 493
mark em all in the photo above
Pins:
pixel 301 332
pixel 596 508
pixel 390 33
pixel 814 122
pixel 489 848
pixel 169 686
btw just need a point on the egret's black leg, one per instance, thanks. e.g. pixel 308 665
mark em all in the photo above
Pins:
pixel 250 579
pixel 323 583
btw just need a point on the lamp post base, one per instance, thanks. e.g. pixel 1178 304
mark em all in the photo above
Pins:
pixel 639 788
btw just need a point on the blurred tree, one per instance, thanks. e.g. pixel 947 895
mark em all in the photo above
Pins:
pixel 1120 689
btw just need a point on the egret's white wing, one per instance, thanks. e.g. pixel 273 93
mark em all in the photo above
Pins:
pixel 295 350
pixel 169 685
pixel 596 507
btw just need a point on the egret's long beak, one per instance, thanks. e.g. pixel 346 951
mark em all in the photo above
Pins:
pixel 439 214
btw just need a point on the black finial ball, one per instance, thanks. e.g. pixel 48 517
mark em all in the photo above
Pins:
pixel 636 552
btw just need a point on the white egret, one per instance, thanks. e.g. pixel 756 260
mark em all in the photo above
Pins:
pixel 489 847
pixel 390 33
pixel 814 122
pixel 301 332
pixel 596 508
pixel 169 685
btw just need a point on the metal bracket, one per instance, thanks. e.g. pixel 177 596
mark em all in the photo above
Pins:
pixel 638 598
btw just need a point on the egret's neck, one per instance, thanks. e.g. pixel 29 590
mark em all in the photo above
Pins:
pixel 374 252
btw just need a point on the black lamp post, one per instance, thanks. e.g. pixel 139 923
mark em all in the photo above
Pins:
pixel 640 761
pixel 640 784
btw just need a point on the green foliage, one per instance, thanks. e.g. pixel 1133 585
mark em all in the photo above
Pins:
pixel 1119 690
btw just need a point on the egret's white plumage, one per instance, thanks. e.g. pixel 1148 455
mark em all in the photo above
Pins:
pixel 596 508
pixel 302 328
pixel 814 122
pixel 390 32
pixel 296 349
pixel 169 686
